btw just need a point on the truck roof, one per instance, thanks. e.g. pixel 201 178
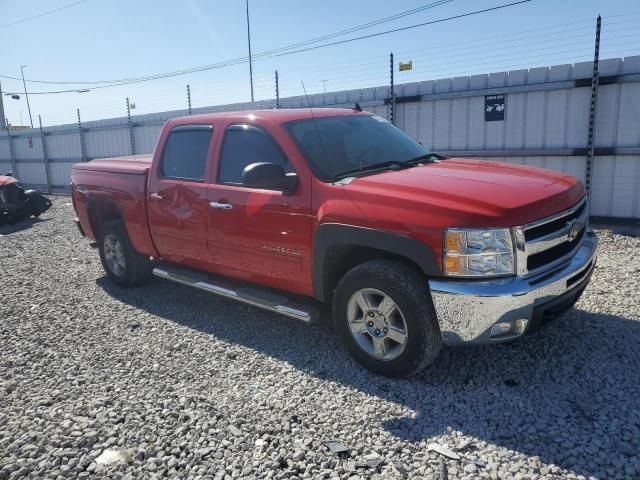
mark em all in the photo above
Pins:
pixel 282 115
pixel 140 164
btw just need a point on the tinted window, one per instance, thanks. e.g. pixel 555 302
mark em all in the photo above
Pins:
pixel 185 153
pixel 244 145
pixel 333 145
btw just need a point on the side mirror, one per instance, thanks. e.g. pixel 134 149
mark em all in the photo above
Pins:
pixel 269 176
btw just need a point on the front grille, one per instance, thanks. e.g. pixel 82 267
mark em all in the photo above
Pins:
pixel 546 228
pixel 539 260
pixel 551 241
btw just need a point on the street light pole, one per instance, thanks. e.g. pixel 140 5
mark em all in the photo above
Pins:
pixel 25 94
pixel 250 60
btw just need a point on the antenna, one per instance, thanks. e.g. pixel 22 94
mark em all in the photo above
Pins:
pixel 315 123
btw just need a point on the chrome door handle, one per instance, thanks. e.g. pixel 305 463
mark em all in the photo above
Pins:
pixel 157 196
pixel 83 190
pixel 221 206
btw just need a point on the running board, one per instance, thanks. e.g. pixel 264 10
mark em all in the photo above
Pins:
pixel 238 291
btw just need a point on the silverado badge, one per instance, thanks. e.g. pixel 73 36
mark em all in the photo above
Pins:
pixel 575 227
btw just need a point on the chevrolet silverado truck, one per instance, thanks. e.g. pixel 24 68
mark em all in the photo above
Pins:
pixel 287 210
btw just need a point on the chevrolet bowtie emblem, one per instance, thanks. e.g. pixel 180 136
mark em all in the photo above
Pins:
pixel 575 227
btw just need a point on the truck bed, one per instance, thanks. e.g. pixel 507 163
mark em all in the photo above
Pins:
pixel 134 164
pixel 120 183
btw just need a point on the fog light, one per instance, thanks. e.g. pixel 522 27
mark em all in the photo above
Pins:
pixel 500 329
pixel 516 327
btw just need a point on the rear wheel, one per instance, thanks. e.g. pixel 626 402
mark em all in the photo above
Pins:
pixel 385 317
pixel 123 265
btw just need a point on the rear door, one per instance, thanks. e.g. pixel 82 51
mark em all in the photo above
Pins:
pixel 256 234
pixel 177 195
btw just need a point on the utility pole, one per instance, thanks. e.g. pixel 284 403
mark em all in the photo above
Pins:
pixel 25 94
pixel 324 86
pixel 250 59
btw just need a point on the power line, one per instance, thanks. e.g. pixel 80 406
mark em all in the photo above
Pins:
pixel 48 12
pixel 406 28
pixel 373 23
pixel 232 62
pixel 261 54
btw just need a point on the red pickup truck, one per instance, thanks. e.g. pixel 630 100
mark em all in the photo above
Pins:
pixel 289 209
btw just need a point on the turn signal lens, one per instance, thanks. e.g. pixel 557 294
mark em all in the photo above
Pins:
pixel 455 242
pixel 473 253
pixel 453 265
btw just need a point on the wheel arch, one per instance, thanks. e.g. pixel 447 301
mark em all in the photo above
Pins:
pixel 338 248
pixel 100 211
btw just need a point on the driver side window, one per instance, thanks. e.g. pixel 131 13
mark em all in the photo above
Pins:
pixel 244 145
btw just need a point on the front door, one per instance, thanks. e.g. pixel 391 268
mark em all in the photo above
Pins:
pixel 177 196
pixel 258 235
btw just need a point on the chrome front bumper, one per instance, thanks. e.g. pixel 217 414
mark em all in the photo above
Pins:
pixel 474 312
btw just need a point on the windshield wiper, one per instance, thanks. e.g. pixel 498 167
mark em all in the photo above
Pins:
pixel 426 156
pixel 390 165
pixel 374 167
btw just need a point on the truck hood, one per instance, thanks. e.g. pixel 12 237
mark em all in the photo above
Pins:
pixel 464 192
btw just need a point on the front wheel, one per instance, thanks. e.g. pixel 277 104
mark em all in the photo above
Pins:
pixel 385 317
pixel 123 265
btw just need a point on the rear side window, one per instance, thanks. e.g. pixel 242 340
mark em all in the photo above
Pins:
pixel 244 145
pixel 185 153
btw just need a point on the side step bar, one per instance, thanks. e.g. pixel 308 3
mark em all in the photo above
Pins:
pixel 238 291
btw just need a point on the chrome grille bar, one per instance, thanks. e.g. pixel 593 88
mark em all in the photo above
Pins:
pixel 565 233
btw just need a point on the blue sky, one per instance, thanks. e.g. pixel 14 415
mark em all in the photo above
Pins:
pixel 110 39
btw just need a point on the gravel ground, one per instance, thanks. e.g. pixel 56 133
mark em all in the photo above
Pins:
pixel 178 383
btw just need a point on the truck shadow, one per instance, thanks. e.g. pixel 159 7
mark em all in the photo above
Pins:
pixel 533 396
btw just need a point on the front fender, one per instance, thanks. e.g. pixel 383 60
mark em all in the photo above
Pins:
pixel 331 234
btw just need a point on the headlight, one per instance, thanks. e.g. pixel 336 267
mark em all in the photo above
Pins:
pixel 475 253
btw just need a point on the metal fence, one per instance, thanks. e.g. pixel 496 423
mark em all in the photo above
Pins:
pixel 538 116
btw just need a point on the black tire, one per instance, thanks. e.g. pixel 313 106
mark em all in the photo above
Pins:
pixel 409 290
pixel 137 267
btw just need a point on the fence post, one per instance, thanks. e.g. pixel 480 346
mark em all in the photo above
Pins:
pixel 392 93
pixel 132 141
pixel 277 91
pixel 45 157
pixel 595 83
pixel 11 153
pixel 189 98
pixel 83 148
pixel 3 119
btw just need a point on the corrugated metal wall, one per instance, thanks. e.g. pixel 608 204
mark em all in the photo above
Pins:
pixel 545 124
pixel 540 123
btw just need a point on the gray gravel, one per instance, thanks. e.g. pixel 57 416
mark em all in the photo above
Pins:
pixel 164 381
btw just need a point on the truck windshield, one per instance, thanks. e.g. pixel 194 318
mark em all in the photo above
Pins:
pixel 345 145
